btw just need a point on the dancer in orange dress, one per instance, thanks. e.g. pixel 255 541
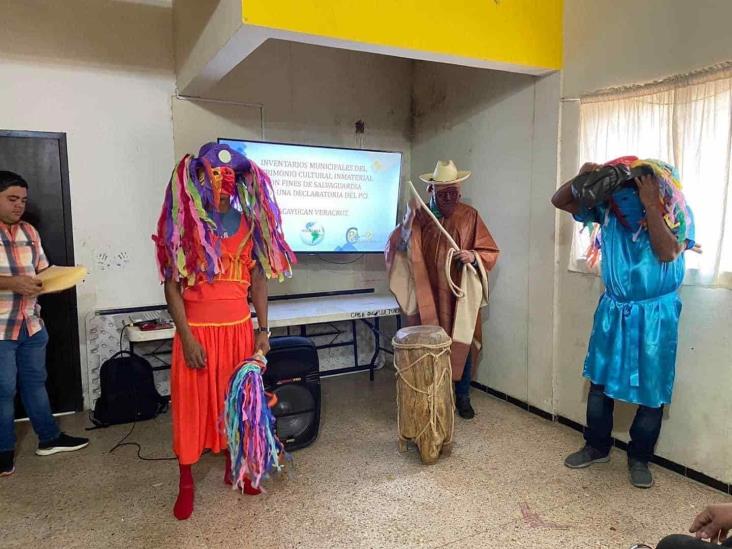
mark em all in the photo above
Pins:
pixel 212 257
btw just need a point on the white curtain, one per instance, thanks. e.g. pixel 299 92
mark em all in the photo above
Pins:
pixel 686 121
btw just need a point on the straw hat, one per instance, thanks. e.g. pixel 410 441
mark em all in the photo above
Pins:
pixel 446 173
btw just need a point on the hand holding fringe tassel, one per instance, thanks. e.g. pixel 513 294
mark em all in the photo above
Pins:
pixel 250 425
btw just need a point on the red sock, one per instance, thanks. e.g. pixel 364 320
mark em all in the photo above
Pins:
pixel 227 471
pixel 184 504
pixel 248 488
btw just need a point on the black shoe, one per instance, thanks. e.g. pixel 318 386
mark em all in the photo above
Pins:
pixel 585 457
pixel 7 463
pixel 64 443
pixel 640 474
pixel 465 410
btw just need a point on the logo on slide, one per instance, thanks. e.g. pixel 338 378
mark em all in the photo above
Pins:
pixel 312 234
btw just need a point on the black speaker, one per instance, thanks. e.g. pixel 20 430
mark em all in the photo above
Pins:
pixel 293 374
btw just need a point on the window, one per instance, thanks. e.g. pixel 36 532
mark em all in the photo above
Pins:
pixel 686 121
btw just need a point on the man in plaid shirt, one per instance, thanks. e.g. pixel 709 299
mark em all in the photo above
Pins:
pixel 23 337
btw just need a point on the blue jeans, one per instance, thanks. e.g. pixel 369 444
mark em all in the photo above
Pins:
pixel 643 433
pixel 23 365
pixel 687 542
pixel 462 387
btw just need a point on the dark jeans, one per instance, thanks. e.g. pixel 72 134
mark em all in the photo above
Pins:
pixel 462 387
pixel 686 542
pixel 23 365
pixel 643 433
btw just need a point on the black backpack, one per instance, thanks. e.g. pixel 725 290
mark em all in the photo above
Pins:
pixel 128 391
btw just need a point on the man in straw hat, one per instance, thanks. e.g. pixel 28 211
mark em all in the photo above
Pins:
pixel 433 240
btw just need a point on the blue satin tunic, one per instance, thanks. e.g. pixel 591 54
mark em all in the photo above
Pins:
pixel 632 349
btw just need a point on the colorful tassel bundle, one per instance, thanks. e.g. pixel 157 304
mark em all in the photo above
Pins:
pixel 187 239
pixel 186 244
pixel 257 198
pixel 671 200
pixel 250 426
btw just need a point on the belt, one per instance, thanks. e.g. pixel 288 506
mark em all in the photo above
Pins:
pixel 217 312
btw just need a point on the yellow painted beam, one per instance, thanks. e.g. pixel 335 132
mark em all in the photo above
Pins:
pixel 521 32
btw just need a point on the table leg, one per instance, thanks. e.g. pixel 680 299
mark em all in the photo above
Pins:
pixel 355 344
pixel 377 347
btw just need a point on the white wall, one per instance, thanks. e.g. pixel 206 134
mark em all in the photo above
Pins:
pixel 503 127
pixel 103 73
pixel 83 75
pixel 617 42
pixel 192 41
pixel 690 35
pixel 311 95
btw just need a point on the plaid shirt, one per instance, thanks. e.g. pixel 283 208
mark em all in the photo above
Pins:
pixel 22 254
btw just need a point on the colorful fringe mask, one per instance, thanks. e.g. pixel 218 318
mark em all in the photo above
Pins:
pixel 671 199
pixel 254 447
pixel 187 241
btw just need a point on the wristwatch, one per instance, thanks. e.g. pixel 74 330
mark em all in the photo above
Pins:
pixel 263 330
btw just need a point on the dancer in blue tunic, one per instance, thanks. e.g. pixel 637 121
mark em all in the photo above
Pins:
pixel 644 227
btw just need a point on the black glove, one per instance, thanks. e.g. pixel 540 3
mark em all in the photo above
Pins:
pixel 593 188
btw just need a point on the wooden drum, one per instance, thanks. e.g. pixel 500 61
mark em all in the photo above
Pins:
pixel 425 400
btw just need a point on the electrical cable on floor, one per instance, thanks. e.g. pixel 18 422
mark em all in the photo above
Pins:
pixel 122 443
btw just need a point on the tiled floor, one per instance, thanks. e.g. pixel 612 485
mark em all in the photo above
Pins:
pixel 503 486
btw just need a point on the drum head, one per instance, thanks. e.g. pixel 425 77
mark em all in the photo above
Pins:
pixel 422 335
